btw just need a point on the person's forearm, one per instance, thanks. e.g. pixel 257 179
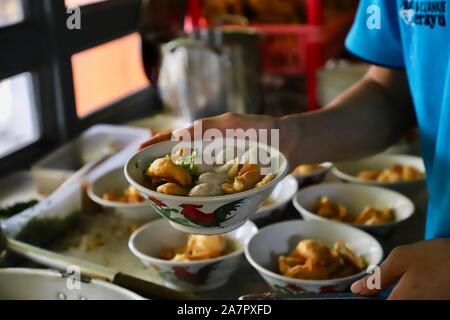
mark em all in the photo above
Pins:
pixel 364 120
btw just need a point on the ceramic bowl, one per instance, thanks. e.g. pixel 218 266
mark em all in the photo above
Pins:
pixel 204 215
pixel 263 250
pixel 315 177
pixel 348 171
pixel 355 198
pixel 37 284
pixel 115 181
pixel 280 197
pixel 150 240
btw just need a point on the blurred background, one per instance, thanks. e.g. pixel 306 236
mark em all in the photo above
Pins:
pixel 71 98
pixel 176 59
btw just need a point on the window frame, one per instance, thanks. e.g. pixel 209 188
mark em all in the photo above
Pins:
pixel 42 44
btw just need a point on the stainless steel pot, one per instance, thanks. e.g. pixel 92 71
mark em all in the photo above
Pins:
pixel 37 284
pixel 213 71
pixel 240 45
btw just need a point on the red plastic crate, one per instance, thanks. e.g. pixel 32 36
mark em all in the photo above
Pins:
pixel 286 49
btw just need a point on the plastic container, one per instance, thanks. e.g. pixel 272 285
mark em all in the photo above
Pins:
pixel 285 47
pixel 36 284
pixel 17 187
pixel 54 169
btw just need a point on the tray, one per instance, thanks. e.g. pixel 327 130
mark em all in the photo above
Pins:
pixel 55 168
pixel 18 187
pixel 103 238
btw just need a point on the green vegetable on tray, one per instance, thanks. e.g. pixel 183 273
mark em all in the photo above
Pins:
pixel 42 231
pixel 10 211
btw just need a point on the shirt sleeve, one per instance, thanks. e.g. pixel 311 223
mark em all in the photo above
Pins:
pixel 375 34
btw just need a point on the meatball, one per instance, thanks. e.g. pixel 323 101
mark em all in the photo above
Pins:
pixel 215 178
pixel 205 190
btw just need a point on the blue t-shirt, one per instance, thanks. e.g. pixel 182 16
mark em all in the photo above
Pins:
pixel 415 35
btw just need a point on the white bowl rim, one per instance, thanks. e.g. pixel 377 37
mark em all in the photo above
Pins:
pixel 282 173
pixel 301 281
pixel 297 205
pixel 143 256
pixel 275 205
pixel 351 178
pixel 325 166
pixel 49 273
pixel 107 203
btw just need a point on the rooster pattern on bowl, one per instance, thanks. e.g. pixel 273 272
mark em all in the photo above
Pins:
pixel 185 275
pixel 202 276
pixel 292 289
pixel 196 214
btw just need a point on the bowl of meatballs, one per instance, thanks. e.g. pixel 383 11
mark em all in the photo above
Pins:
pixel 206 187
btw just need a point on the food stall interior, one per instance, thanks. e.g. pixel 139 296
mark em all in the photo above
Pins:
pixel 83 83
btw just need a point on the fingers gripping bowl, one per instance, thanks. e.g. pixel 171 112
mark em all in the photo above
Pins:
pixel 215 214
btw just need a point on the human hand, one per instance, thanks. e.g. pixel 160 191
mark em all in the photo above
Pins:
pixel 421 268
pixel 225 121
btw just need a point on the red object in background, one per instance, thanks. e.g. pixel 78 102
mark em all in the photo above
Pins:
pixel 293 50
pixel 287 49
pixel 314 12
pixel 314 53
pixel 194 17
pixel 194 14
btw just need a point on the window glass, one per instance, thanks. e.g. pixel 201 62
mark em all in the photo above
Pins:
pixel 107 73
pixel 18 121
pixel 73 3
pixel 11 12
